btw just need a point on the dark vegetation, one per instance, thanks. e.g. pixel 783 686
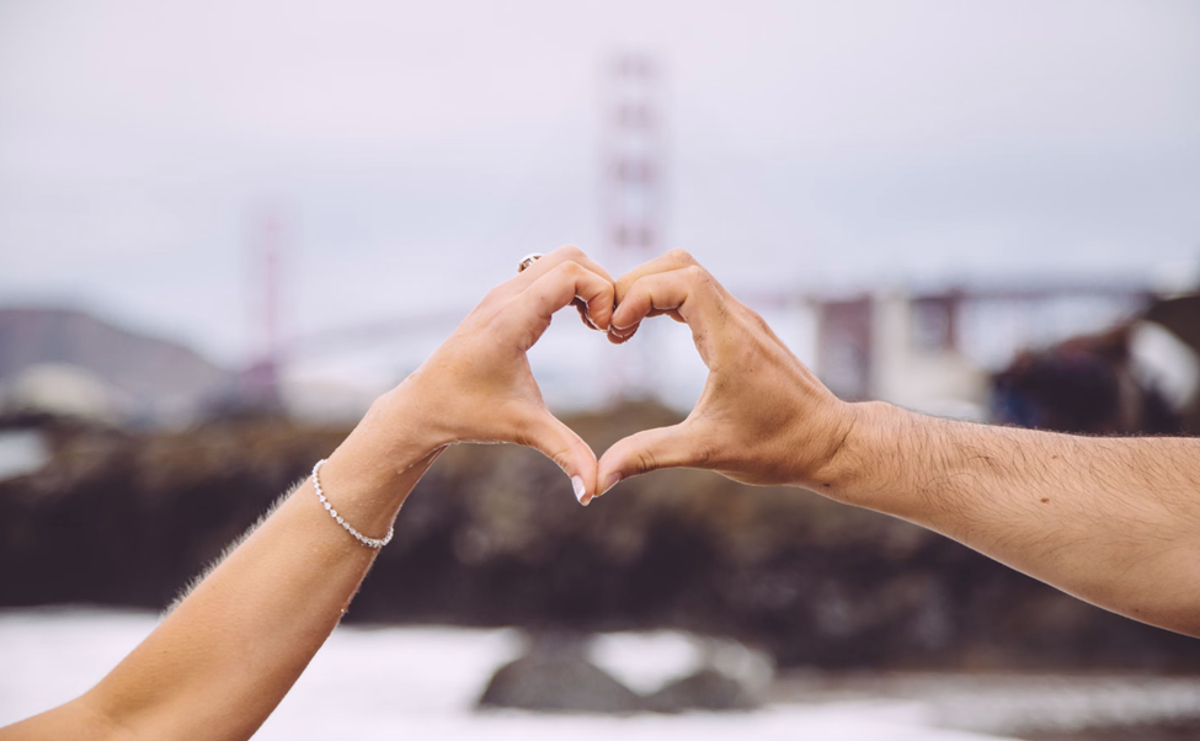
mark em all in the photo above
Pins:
pixel 493 536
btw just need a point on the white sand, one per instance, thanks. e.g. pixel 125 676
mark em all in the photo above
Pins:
pixel 421 683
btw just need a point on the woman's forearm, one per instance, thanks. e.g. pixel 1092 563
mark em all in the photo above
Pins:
pixel 222 661
pixel 1115 521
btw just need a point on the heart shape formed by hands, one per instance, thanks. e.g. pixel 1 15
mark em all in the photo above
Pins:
pixel 762 418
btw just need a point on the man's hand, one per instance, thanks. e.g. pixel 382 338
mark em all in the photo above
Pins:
pixel 477 387
pixel 1110 520
pixel 763 418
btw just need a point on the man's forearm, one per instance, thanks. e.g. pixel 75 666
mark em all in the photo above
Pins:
pixel 1115 521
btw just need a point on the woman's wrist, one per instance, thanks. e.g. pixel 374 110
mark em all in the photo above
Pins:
pixel 410 422
pixel 378 459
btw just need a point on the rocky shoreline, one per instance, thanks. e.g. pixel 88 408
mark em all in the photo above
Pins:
pixel 492 536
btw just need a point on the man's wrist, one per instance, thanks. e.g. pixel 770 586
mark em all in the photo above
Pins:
pixel 875 467
pixel 853 464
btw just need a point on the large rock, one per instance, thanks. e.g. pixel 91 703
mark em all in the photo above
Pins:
pixel 706 689
pixel 555 676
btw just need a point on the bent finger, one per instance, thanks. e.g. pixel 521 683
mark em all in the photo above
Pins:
pixel 548 262
pixel 649 450
pixel 688 294
pixel 668 262
pixel 562 286
pixel 548 435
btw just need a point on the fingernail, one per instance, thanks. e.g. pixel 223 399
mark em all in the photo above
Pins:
pixel 612 480
pixel 580 490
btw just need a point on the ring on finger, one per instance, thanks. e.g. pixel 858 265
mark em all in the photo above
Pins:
pixel 528 260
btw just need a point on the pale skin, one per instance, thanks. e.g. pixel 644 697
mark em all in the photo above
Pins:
pixel 219 664
pixel 1112 521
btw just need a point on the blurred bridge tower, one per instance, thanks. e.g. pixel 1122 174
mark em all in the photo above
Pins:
pixel 259 381
pixel 631 192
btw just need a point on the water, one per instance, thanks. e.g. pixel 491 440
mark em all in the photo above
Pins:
pixel 422 682
pixel 22 452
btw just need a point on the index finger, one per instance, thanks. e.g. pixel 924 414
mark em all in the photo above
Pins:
pixel 689 292
pixel 561 286
pixel 549 261
pixel 675 260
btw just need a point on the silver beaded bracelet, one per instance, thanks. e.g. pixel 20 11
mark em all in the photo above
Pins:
pixel 375 543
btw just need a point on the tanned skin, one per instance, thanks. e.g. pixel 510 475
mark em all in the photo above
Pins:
pixel 1113 521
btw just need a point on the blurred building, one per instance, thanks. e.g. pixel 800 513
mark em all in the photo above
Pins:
pixel 934 352
pixel 1138 376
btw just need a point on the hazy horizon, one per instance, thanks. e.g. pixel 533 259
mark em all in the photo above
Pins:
pixel 416 151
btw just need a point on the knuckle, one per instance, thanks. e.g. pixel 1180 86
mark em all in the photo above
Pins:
pixel 622 288
pixel 644 461
pixel 496 295
pixel 756 319
pixel 571 268
pixel 561 458
pixel 681 256
pixel 531 432
pixel 557 453
pixel 696 275
pixel 571 252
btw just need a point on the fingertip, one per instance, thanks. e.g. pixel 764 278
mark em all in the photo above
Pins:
pixel 619 339
pixel 608 482
pixel 607 304
pixel 620 320
pixel 610 469
pixel 623 331
pixel 600 312
pixel 558 442
pixel 595 297
pixel 581 492
pixel 582 308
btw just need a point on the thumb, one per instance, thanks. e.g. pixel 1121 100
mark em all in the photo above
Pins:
pixel 559 443
pixel 646 451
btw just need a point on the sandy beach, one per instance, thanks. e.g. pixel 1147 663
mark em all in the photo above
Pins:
pixel 384 682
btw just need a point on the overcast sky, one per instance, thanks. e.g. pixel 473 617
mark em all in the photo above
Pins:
pixel 417 150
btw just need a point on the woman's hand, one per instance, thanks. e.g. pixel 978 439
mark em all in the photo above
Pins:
pixel 763 418
pixel 477 387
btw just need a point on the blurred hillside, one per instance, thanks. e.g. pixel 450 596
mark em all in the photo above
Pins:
pixel 492 536
pixel 71 362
